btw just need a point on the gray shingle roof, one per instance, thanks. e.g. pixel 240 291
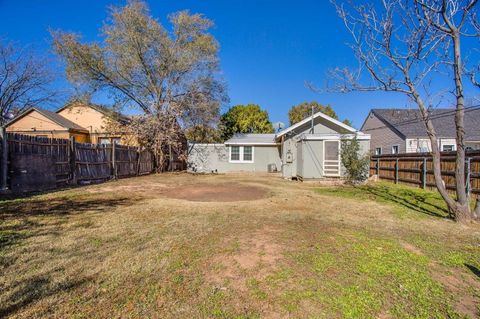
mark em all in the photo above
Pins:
pixel 54 117
pixel 409 122
pixel 252 139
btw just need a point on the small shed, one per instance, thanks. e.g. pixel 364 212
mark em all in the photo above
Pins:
pixel 309 149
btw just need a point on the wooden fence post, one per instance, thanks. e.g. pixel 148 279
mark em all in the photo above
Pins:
pixel 114 166
pixel 396 170
pixel 378 167
pixel 424 173
pixel 138 161
pixel 467 182
pixel 73 159
pixel 3 159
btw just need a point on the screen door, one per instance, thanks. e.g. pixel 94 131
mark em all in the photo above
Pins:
pixel 331 162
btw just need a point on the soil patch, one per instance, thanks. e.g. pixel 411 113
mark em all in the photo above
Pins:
pixel 256 257
pixel 460 286
pixel 216 193
pixel 411 248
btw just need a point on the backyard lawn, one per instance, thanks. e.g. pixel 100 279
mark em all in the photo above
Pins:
pixel 236 246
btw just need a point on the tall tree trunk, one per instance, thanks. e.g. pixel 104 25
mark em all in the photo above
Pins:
pixel 464 213
pixel 458 210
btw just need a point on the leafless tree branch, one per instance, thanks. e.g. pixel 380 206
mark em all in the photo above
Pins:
pixel 24 81
pixel 400 46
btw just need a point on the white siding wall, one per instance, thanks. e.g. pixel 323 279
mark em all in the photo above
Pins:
pixel 414 145
pixel 448 141
pixel 473 145
pixel 215 157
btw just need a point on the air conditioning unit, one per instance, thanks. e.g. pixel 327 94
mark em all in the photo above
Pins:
pixel 272 168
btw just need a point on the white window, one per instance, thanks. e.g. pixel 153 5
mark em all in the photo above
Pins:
pixel 395 149
pixel 109 140
pixel 378 151
pixel 448 148
pixel 234 153
pixel 104 140
pixel 241 154
pixel 247 153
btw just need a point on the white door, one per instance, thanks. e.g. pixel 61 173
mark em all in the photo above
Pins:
pixel 331 158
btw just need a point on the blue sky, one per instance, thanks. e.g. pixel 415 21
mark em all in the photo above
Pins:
pixel 268 48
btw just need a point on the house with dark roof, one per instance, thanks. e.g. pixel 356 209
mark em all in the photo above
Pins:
pixel 310 149
pixel 87 122
pixel 403 130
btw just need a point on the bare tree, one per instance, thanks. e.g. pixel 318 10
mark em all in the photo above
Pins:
pixel 24 81
pixel 170 76
pixel 404 45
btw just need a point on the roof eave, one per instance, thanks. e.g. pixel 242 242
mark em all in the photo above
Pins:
pixel 360 137
pixel 78 130
pixel 252 143
pixel 308 119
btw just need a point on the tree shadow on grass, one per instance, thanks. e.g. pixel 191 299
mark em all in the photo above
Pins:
pixel 35 289
pixel 474 270
pixel 18 219
pixel 409 199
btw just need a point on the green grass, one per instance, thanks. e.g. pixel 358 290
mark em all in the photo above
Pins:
pixel 360 278
pixel 408 201
pixel 123 249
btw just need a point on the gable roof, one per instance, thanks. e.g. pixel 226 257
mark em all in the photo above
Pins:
pixel 252 139
pixel 54 117
pixel 316 115
pixel 99 108
pixel 409 123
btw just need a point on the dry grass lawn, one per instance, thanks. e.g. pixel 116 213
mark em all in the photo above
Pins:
pixel 184 246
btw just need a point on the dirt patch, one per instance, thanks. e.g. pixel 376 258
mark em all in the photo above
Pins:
pixel 460 286
pixel 216 193
pixel 411 248
pixel 259 249
pixel 256 257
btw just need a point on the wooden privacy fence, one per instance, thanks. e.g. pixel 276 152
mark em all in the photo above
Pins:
pixel 36 163
pixel 417 169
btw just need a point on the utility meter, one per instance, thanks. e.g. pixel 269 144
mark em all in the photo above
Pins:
pixel 289 156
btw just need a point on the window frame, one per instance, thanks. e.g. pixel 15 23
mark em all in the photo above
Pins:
pixel 398 149
pixel 230 154
pixel 104 138
pixel 241 159
pixel 378 153
pixel 451 145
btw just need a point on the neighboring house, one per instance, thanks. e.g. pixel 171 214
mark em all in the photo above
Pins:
pixel 403 131
pixel 309 149
pixel 88 123
pixel 39 122
pixel 98 120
